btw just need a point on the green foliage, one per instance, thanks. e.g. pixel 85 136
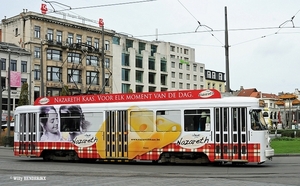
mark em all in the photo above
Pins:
pixel 286 145
pixel 65 91
pixel 130 91
pixel 290 133
pixel 8 141
pixel 24 95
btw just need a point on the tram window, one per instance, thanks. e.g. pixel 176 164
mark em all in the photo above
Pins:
pixel 71 118
pixel 141 121
pixel 168 121
pixel 196 120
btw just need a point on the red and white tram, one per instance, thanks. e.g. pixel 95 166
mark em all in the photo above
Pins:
pixel 197 126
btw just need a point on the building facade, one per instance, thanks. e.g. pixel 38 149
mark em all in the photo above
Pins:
pixel 215 80
pixel 17 61
pixel 63 53
pixel 68 53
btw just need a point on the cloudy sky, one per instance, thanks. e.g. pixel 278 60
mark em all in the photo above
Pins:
pixel 264 36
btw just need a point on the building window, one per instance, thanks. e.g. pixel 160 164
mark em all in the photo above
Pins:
pixel 54 74
pixel 213 85
pixel 106 45
pixel 195 86
pixel 78 38
pixel 125 59
pixel 172 56
pixel 37 52
pixel 74 57
pixel 186 51
pixel 125 88
pixel 92 60
pixel 107 63
pixel 201 78
pixel 59 36
pixel 151 78
pixel 188 67
pixel 201 87
pixel 173 84
pixel 181 85
pixel 213 75
pixel 208 74
pixel 173 64
pixel 180 75
pixel 36 92
pixel 23 80
pixel 92 78
pixel 163 66
pixel 220 76
pixel 89 41
pixel 55 55
pixel 208 85
pixel 74 76
pixel 220 88
pixel 163 79
pixel 107 80
pixel 23 66
pixel 195 77
pixel 3 64
pixel 37 32
pixel 195 68
pixel 96 43
pixel 201 69
pixel 173 75
pixel 116 40
pixel 153 49
pixel 37 72
pixel 180 65
pixel 50 34
pixel 188 86
pixel 139 76
pixel 139 62
pixel 152 89
pixel 13 65
pixel 70 38
pixel 151 65
pixel 129 44
pixel 142 46
pixel 125 74
pixel 172 48
pixel 139 88
pixel 188 76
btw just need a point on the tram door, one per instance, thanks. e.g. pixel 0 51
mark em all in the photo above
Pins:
pixel 230 134
pixel 116 134
pixel 239 133
pixel 222 134
pixel 27 133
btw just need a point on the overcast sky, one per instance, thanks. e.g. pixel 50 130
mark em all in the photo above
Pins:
pixel 264 39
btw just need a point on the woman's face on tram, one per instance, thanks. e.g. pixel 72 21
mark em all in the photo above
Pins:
pixel 52 123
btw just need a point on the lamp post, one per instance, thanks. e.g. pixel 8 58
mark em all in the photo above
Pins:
pixel 42 71
pixel 8 100
pixel 101 24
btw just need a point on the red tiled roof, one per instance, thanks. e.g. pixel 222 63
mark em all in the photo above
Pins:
pixel 247 92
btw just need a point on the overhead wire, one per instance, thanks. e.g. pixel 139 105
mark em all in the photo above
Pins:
pixel 93 6
pixel 207 28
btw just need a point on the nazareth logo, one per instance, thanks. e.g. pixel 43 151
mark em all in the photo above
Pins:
pixel 44 101
pixel 192 141
pixel 84 140
pixel 206 94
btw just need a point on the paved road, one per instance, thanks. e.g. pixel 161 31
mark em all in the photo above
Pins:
pixel 281 171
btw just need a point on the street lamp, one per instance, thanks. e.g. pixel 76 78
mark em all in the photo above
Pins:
pixel 8 100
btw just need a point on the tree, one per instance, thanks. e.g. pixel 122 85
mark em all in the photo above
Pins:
pixel 24 100
pixel 65 91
